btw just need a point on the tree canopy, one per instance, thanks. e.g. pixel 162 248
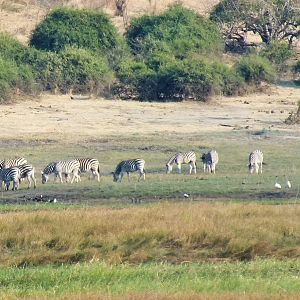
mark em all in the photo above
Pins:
pixel 272 20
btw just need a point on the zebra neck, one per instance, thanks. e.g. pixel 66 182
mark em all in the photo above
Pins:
pixel 49 169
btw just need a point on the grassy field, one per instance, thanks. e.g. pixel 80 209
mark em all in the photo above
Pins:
pixel 262 279
pixel 235 236
pixel 231 181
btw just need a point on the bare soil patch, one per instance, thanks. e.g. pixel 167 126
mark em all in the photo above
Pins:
pixel 57 117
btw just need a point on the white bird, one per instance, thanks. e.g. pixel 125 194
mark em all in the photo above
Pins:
pixel 277 185
pixel 185 195
pixel 287 183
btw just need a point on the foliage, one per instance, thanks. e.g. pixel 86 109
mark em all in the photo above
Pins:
pixel 255 69
pixel 278 53
pixel 272 20
pixel 296 67
pixel 178 31
pixel 76 69
pixel 77 28
pixel 165 78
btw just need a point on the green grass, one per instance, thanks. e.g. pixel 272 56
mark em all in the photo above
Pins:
pixel 231 181
pixel 261 276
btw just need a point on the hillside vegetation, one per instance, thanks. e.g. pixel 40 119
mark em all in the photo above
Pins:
pixel 172 56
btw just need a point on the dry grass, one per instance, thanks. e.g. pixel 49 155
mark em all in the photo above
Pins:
pixel 163 232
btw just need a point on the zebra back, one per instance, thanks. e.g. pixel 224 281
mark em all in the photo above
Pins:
pixel 182 158
pixel 10 174
pixel 88 164
pixel 131 165
pixel 25 170
pixel 8 163
pixel 256 157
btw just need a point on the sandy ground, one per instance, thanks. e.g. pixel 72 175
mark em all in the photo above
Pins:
pixel 60 118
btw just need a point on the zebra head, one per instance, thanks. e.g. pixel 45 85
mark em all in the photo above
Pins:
pixel 116 176
pixel 203 157
pixel 169 168
pixel 44 178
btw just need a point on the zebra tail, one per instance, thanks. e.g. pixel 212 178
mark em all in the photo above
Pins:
pixel 264 163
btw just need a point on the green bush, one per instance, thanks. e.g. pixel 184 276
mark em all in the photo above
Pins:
pixel 169 79
pixel 178 31
pixel 296 68
pixel 255 69
pixel 76 28
pixel 278 53
pixel 14 79
pixel 76 69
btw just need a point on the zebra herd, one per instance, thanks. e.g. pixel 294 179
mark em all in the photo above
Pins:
pixel 17 169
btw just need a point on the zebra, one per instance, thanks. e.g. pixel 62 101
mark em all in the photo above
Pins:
pixel 27 171
pixel 90 164
pixel 65 167
pixel 182 158
pixel 10 174
pixel 256 159
pixel 8 163
pixel 210 160
pixel 128 166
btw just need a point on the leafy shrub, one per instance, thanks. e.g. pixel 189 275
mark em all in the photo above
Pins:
pixel 278 53
pixel 296 68
pixel 14 79
pixel 255 69
pixel 76 69
pixel 77 28
pixel 169 78
pixel 178 31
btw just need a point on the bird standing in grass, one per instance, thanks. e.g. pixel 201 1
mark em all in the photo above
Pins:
pixel 277 185
pixel 287 183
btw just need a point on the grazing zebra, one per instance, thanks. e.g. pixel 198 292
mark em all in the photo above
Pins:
pixel 10 174
pixel 182 158
pixel 65 167
pixel 255 161
pixel 8 163
pixel 210 160
pixel 27 171
pixel 129 166
pixel 90 164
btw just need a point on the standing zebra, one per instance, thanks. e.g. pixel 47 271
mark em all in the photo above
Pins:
pixel 27 171
pixel 210 160
pixel 256 159
pixel 8 163
pixel 129 166
pixel 182 158
pixel 10 174
pixel 65 167
pixel 90 164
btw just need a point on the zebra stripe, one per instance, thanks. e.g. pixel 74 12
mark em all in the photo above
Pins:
pixel 182 158
pixel 59 168
pixel 90 164
pixel 256 159
pixel 129 166
pixel 210 160
pixel 10 174
pixel 27 171
pixel 8 163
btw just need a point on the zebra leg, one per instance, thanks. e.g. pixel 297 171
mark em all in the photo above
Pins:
pixel 142 174
pixel 29 182
pixel 195 167
pixel 261 168
pixel 60 177
pixel 256 168
pixel 191 168
pixel 128 176
pixel 179 168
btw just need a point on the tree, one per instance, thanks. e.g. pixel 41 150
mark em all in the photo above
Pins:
pixel 272 20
